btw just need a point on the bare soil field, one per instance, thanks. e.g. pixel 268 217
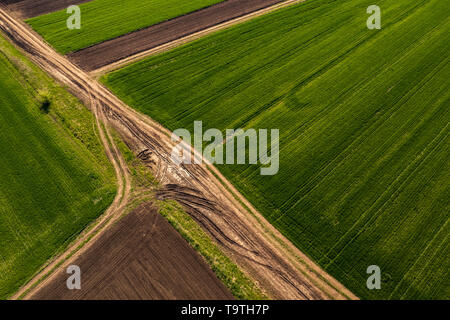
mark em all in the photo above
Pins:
pixel 102 54
pixel 33 8
pixel 243 234
pixel 140 257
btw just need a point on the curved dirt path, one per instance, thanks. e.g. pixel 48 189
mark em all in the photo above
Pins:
pixel 87 238
pixel 255 245
pixel 115 209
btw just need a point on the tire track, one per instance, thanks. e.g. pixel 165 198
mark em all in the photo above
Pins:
pixel 250 240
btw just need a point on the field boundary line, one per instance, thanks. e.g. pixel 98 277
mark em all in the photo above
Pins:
pixel 308 267
pixel 190 38
pixel 111 214
pixel 149 133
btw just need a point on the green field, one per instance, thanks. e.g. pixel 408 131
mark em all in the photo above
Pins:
pixel 103 20
pixel 364 126
pixel 54 178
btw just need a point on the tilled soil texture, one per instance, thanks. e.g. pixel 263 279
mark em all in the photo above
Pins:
pixel 33 8
pixel 254 244
pixel 140 257
pixel 107 52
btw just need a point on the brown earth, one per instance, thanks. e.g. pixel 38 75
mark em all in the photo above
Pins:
pixel 249 240
pixel 107 52
pixel 141 257
pixel 189 38
pixel 33 8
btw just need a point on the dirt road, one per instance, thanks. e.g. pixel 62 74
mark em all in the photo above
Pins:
pixel 113 154
pixel 284 271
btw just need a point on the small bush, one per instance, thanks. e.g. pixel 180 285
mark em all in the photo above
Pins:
pixel 44 102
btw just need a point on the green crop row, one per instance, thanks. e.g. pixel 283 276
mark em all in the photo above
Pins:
pixel 103 20
pixel 364 136
pixel 55 178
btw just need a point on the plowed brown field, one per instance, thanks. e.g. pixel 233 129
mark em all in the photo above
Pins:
pixel 33 8
pixel 107 52
pixel 140 257
pixel 255 245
